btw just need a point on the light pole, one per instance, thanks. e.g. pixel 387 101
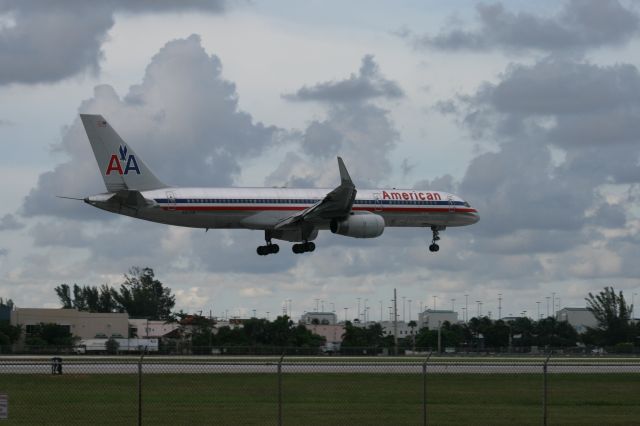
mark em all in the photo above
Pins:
pixel 317 301
pixel 547 306
pixel 538 317
pixel 358 315
pixel 403 308
pixel 289 301
pixel 466 307
pixel 453 305
pixel 464 314
pixel 381 311
pixel 633 308
pixel 499 305
pixel 553 304
pixel 409 300
pixel 479 303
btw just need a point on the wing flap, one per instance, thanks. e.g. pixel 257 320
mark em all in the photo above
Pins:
pixel 336 204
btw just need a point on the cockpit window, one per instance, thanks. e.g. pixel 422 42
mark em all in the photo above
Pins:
pixel 467 204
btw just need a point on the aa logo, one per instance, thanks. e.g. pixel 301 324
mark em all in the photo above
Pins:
pixel 115 163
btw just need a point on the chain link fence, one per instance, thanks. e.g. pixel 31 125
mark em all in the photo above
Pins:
pixel 320 391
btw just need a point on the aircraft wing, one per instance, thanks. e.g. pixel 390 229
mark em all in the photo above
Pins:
pixel 336 204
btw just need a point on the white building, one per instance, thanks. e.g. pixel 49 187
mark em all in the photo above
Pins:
pixel 322 318
pixel 403 329
pixel 332 333
pixel 434 318
pixel 579 318
pixel 143 328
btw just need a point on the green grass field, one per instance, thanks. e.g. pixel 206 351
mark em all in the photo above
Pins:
pixel 321 399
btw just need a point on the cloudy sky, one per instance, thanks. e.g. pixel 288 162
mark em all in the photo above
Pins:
pixel 528 110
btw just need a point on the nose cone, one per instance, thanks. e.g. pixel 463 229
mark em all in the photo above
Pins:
pixel 475 217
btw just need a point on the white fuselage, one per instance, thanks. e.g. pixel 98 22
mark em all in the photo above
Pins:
pixel 263 208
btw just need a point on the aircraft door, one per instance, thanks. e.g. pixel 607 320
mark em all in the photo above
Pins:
pixel 452 206
pixel 171 200
pixel 377 202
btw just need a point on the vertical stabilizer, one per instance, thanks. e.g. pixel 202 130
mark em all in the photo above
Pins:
pixel 119 165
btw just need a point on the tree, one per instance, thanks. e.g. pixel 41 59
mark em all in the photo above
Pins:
pixel 112 346
pixel 49 335
pixel 142 296
pixel 7 303
pixel 613 316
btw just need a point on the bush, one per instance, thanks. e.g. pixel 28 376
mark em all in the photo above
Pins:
pixel 112 346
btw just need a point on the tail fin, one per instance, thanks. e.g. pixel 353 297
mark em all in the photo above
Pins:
pixel 119 165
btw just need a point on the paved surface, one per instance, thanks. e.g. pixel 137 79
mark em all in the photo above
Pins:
pixel 98 367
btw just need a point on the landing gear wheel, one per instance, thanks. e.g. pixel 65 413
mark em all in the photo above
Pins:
pixel 434 247
pixel 303 247
pixel 269 248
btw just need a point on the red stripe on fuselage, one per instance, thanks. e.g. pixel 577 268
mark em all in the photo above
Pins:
pixel 299 208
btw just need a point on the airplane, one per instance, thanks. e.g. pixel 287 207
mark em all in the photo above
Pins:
pixel 287 214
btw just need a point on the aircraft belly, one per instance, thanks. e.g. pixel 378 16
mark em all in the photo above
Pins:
pixel 415 219
pixel 194 219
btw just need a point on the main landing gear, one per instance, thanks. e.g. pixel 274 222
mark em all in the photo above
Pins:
pixel 269 248
pixel 305 247
pixel 434 247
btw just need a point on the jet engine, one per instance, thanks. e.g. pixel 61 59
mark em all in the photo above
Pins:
pixel 359 225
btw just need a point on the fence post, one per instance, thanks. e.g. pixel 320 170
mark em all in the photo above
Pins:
pixel 140 389
pixel 280 390
pixel 545 391
pixel 424 389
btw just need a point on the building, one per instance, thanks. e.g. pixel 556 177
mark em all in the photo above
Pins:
pixel 433 318
pixel 323 318
pixel 332 333
pixel 143 328
pixel 579 318
pixel 85 325
pixel 403 329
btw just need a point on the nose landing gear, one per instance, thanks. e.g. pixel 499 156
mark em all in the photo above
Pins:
pixel 434 247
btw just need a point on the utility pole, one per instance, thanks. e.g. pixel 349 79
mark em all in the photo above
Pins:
pixel 395 323
pixel 499 305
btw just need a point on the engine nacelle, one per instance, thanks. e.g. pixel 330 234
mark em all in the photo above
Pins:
pixel 359 225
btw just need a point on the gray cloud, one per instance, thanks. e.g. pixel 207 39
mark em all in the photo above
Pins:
pixel 8 222
pixel 536 203
pixel 367 84
pixel 579 25
pixel 4 252
pixel 355 128
pixel 183 111
pixel 48 41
